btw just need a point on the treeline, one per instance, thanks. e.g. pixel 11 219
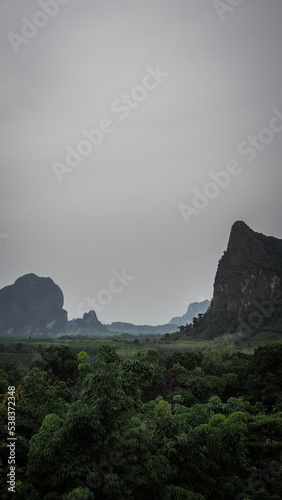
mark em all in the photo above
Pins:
pixel 196 426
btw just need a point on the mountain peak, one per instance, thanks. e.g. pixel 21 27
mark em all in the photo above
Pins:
pixel 240 234
pixel 249 274
pixel 239 225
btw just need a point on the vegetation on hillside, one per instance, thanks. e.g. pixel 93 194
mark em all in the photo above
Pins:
pixel 197 425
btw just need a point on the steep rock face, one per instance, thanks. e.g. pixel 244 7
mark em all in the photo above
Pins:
pixel 193 310
pixel 250 270
pixel 248 275
pixel 32 306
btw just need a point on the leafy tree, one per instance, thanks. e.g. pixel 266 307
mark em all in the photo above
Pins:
pixel 60 362
pixel 149 427
pixel 265 383
pixel 188 360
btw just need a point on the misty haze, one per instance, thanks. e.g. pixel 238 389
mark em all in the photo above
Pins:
pixel 141 250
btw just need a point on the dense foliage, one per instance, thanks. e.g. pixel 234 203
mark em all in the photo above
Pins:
pixel 194 425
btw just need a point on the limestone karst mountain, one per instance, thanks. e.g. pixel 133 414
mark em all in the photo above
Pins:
pixel 248 285
pixel 247 295
pixel 32 306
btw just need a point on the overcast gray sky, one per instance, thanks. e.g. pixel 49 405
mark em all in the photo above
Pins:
pixel 198 82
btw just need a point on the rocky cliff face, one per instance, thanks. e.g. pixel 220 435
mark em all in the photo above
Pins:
pixel 193 310
pixel 249 275
pixel 250 269
pixel 32 306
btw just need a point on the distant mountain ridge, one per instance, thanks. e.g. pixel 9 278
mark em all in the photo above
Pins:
pixel 247 295
pixel 193 310
pixel 119 327
pixel 33 307
pixel 88 325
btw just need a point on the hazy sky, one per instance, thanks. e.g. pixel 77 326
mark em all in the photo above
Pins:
pixel 177 89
